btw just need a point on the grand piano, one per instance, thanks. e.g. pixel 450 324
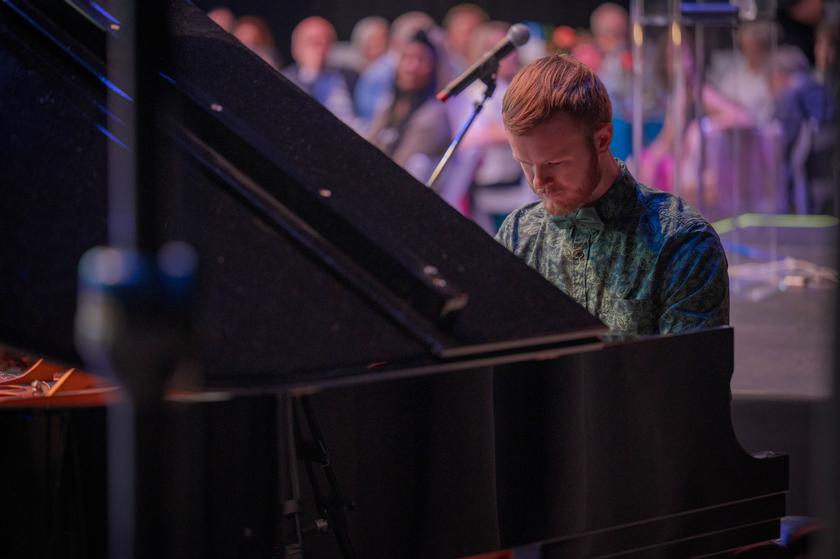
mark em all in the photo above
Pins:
pixel 465 404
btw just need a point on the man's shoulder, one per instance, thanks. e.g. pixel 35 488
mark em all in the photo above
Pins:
pixel 669 214
pixel 521 224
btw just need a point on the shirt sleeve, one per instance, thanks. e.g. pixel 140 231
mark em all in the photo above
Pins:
pixel 695 280
pixel 508 232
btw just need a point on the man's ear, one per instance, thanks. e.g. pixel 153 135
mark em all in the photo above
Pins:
pixel 603 137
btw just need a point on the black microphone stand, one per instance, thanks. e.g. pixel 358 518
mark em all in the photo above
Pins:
pixel 490 81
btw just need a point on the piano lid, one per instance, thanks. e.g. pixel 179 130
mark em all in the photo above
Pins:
pixel 318 254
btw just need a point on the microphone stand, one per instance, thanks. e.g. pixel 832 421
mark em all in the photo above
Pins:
pixel 490 81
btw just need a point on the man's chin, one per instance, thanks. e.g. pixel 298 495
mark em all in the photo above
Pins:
pixel 558 208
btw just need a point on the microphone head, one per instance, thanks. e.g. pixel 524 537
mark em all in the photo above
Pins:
pixel 518 34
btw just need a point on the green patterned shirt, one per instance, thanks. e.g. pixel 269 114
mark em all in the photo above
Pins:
pixel 639 259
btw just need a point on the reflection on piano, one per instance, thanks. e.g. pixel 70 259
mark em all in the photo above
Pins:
pixel 466 404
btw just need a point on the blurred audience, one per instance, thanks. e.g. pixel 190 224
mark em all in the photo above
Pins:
pixel 368 41
pixel 680 134
pixel 610 56
pixel 376 81
pixel 825 49
pixel 459 23
pixel 412 127
pixel 799 20
pixel 382 82
pixel 806 111
pixel 564 39
pixel 312 39
pixel 610 26
pixel 254 33
pixel 223 17
pixel 743 75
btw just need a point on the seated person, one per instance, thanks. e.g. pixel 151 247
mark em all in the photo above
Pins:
pixel 806 112
pixel 376 81
pixel 412 128
pixel 459 24
pixel 639 259
pixel 312 40
pixel 254 33
pixel 743 76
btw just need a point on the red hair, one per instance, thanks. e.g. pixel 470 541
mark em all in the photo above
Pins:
pixel 552 85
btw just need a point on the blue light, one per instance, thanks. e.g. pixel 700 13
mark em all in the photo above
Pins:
pixel 104 12
pixel 110 136
pixel 108 83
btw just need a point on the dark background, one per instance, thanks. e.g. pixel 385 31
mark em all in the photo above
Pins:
pixel 283 15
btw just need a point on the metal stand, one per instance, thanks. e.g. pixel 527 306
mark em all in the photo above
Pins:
pixel 289 540
pixel 133 313
pixel 333 506
pixel 490 81
pixel 294 443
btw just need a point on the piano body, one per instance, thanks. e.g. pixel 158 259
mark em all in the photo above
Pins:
pixel 466 404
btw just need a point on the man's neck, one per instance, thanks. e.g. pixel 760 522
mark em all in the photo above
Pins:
pixel 609 174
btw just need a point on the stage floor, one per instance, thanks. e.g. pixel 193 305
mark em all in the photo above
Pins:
pixel 784 340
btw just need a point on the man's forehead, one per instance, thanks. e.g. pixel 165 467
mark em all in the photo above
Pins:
pixel 546 141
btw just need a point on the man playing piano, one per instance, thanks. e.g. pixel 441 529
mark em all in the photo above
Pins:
pixel 641 260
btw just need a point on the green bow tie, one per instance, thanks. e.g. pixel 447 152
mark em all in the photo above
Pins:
pixel 586 218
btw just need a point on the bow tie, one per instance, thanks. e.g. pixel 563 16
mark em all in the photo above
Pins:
pixel 585 218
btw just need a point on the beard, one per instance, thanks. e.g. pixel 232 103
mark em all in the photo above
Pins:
pixel 561 202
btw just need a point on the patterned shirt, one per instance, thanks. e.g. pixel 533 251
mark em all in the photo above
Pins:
pixel 639 259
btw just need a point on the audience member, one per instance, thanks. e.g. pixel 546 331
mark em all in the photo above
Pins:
pixel 254 33
pixel 564 39
pixel 612 61
pixel 223 17
pixel 368 41
pixel 459 23
pixel 825 49
pixel 799 20
pixel 312 39
pixel 376 82
pixel 413 128
pixel 585 51
pixel 805 109
pixel 744 75
pixel 610 33
pixel 370 37
pixel 681 129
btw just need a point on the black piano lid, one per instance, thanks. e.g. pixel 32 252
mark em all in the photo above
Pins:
pixel 318 254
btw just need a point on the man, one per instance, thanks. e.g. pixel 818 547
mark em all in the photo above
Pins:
pixel 459 23
pixel 610 26
pixel 312 40
pixel 639 259
pixel 254 33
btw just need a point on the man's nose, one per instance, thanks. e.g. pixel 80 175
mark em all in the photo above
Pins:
pixel 541 178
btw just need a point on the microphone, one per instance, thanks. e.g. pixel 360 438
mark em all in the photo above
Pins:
pixel 516 36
